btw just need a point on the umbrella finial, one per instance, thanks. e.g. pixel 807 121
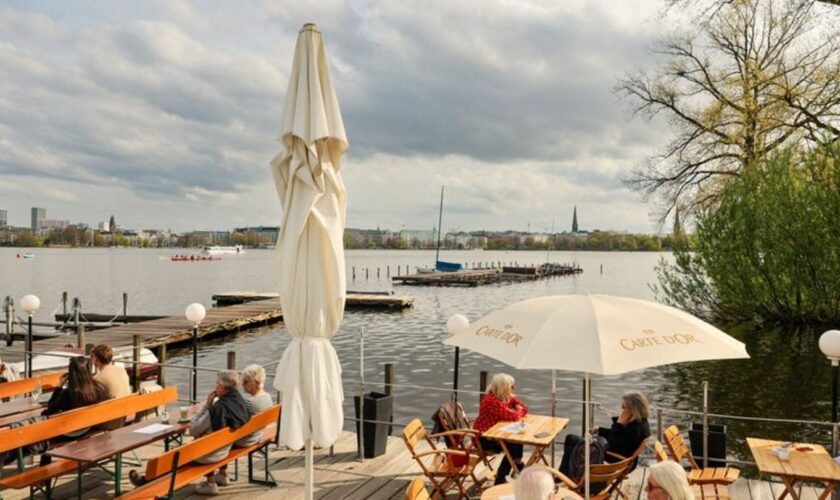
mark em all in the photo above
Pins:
pixel 310 27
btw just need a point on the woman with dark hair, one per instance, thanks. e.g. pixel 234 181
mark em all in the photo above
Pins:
pixel 76 390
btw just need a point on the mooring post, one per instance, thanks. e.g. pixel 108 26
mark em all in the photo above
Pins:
pixel 482 384
pixel 125 307
pixel 367 275
pixel 162 368
pixel 377 271
pixel 231 360
pixel 389 378
pixel 135 356
pixel 64 304
pixel 354 273
pixel 77 311
pixel 10 313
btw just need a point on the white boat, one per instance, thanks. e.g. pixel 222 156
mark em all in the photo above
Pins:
pixel 218 250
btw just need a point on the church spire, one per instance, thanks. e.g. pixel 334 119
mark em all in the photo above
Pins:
pixel 574 220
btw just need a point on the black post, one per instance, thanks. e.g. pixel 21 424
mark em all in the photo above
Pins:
pixel 193 396
pixel 835 368
pixel 455 381
pixel 29 353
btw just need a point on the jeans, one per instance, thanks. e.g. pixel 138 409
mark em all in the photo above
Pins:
pixel 515 450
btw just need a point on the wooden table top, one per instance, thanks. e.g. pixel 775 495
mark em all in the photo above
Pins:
pixel 815 465
pixel 534 425
pixel 10 419
pixel 110 443
pixel 19 406
pixel 506 490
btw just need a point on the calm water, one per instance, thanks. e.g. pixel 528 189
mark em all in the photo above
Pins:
pixel 787 377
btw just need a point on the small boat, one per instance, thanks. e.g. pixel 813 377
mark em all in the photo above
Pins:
pixel 27 255
pixel 447 267
pixel 425 270
pixel 218 250
pixel 193 258
pixel 58 359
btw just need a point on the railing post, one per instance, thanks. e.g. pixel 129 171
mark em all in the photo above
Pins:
pixel 77 310
pixel 135 354
pixel 705 424
pixel 231 360
pixel 659 429
pixel 482 384
pixel 10 313
pixel 80 335
pixel 361 434
pixel 389 378
pixel 64 304
pixel 125 307
pixel 162 368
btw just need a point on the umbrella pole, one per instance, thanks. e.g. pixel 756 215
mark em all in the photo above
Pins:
pixel 553 408
pixel 308 480
pixel 587 436
pixel 455 381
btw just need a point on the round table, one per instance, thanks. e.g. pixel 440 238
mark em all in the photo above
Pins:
pixel 497 492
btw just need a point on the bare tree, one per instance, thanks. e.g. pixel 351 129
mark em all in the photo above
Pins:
pixel 751 77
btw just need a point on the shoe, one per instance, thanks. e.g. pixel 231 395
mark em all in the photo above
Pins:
pixel 207 488
pixel 135 478
pixel 221 479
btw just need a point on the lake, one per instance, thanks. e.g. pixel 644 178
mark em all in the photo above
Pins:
pixel 787 376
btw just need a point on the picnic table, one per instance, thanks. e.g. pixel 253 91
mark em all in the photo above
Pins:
pixel 505 491
pixel 94 450
pixel 804 465
pixel 546 427
pixel 20 405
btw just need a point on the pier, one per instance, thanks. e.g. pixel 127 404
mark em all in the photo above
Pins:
pixel 485 276
pixel 250 309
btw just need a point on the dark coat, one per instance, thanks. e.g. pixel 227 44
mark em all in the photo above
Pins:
pixel 624 439
pixel 229 410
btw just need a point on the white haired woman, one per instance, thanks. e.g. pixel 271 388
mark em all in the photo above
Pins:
pixel 500 404
pixel 534 483
pixel 667 481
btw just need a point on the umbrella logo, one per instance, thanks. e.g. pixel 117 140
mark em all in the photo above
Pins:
pixel 505 335
pixel 653 340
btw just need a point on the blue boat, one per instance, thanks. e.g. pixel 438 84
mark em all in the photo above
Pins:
pixel 447 267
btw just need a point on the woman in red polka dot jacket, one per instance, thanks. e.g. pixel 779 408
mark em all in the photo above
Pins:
pixel 500 404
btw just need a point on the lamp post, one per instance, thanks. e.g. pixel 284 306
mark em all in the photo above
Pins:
pixel 454 324
pixel 30 304
pixel 830 346
pixel 195 314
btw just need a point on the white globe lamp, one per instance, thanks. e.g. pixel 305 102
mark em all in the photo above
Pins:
pixel 30 304
pixel 830 346
pixel 457 323
pixel 195 313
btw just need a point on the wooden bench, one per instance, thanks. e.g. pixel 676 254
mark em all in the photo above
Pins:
pixel 177 468
pixel 67 422
pixel 47 382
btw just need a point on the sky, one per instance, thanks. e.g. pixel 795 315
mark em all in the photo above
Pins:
pixel 165 113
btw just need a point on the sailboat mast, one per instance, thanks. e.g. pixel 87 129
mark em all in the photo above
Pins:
pixel 440 230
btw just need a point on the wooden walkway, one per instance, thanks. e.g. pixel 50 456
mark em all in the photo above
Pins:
pixel 476 277
pixel 344 476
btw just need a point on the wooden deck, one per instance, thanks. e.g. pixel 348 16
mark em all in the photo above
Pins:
pixel 344 476
pixel 476 277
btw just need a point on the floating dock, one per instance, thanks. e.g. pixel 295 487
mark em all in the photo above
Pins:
pixel 355 300
pixel 476 277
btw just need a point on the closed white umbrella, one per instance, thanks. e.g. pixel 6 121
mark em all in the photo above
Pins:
pixel 594 334
pixel 311 251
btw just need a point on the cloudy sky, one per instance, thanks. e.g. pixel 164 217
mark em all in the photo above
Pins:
pixel 165 113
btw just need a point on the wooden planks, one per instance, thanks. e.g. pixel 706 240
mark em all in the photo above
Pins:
pixel 355 300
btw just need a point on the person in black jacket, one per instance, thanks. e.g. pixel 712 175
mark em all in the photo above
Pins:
pixel 623 437
pixel 77 389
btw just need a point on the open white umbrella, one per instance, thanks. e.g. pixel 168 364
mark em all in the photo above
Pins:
pixel 594 334
pixel 310 248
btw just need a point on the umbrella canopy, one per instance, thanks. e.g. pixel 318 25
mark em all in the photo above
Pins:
pixel 310 248
pixel 596 334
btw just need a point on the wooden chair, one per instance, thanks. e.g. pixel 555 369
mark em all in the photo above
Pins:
pixel 437 464
pixel 47 382
pixel 452 417
pixel 713 475
pixel 659 451
pixel 177 468
pixel 711 491
pixel 634 458
pixel 417 490
pixel 67 422
pixel 611 474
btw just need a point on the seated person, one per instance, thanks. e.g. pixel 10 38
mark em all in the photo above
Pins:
pixel 77 389
pixel 500 404
pixel 8 373
pixel 534 483
pixel 113 377
pixel 667 481
pixel 627 432
pixel 257 401
pixel 224 407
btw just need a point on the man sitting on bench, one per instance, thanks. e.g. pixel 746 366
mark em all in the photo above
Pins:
pixel 225 407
